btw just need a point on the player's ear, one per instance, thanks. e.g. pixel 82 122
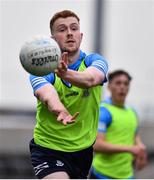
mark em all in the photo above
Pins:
pixel 81 36
pixel 108 86
pixel 52 37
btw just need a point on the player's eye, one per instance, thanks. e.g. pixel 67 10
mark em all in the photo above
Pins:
pixel 61 30
pixel 125 83
pixel 74 28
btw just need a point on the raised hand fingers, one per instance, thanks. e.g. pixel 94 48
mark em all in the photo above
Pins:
pixel 75 115
pixel 63 66
pixel 68 120
pixel 65 57
pixel 60 117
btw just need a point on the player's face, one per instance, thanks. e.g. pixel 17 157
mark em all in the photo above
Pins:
pixel 66 31
pixel 119 87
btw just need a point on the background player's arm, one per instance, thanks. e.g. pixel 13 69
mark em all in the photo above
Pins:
pixel 105 147
pixel 48 95
pixel 138 141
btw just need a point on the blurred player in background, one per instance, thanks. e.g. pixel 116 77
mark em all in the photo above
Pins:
pixel 63 139
pixel 118 146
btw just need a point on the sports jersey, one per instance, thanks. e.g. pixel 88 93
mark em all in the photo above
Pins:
pixel 119 126
pixel 52 134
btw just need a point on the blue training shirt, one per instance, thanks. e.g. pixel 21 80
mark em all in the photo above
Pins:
pixel 94 60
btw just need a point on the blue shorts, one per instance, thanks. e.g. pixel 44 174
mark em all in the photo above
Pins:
pixel 46 161
pixel 96 175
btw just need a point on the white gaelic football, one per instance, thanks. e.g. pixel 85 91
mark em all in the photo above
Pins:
pixel 40 56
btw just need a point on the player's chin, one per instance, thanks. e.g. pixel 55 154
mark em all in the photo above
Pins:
pixel 71 50
pixel 72 47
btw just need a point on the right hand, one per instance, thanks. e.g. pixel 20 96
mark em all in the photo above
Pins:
pixel 65 118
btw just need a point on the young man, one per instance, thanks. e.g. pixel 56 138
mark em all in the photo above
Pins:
pixel 62 144
pixel 118 144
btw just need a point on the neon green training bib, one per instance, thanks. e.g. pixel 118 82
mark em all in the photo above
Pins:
pixel 122 131
pixel 52 134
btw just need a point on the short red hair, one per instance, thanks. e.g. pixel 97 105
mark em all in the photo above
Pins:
pixel 62 14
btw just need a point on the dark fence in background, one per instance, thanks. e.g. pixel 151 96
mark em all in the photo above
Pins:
pixel 15 166
pixel 16 130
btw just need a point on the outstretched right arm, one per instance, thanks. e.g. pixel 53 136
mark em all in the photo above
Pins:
pixel 46 93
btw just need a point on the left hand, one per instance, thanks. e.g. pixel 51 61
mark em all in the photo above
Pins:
pixel 141 158
pixel 63 65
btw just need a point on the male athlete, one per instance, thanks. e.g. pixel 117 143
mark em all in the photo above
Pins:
pixel 68 105
pixel 118 145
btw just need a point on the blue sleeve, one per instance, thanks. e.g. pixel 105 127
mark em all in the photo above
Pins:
pixel 97 61
pixel 105 119
pixel 39 81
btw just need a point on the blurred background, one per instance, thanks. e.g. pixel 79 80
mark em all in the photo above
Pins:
pixel 121 30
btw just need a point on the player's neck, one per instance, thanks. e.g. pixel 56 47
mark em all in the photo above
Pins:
pixel 117 102
pixel 72 57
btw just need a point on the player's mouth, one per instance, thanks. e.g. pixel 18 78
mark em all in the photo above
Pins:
pixel 70 41
pixel 122 94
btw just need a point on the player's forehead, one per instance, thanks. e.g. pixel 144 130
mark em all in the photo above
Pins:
pixel 121 77
pixel 65 21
